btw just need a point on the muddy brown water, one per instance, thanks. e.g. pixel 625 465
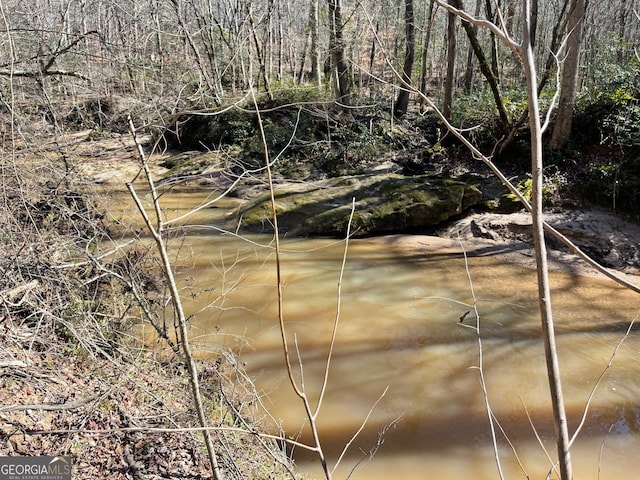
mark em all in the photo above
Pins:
pixel 399 330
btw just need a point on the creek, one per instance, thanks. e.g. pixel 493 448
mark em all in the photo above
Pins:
pixel 400 302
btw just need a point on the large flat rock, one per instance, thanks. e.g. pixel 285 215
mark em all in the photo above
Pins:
pixel 384 203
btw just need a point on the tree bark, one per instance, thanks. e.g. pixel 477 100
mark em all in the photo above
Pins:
pixel 447 103
pixel 339 67
pixel 425 54
pixel 468 74
pixel 402 103
pixel 564 116
pixel 622 22
pixel 494 43
pixel 534 22
pixel 315 55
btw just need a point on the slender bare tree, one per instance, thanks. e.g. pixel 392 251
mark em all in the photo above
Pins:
pixel 449 82
pixel 542 268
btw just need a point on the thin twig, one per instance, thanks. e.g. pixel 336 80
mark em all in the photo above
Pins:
pixel 338 305
pixel 362 425
pixel 107 431
pixel 601 452
pixel 52 407
pixel 483 384
pixel 283 332
pixel 535 432
pixel 599 380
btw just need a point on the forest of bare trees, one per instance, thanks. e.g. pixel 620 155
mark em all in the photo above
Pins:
pixel 189 54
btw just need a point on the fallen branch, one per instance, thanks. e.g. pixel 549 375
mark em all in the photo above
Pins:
pixel 52 407
pixel 106 431
pixel 9 296
pixel 39 74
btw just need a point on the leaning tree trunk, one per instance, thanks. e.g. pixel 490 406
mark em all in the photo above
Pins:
pixel 486 70
pixel 402 103
pixel 468 74
pixel 494 42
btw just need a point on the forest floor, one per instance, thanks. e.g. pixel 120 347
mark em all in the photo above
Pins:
pixel 56 403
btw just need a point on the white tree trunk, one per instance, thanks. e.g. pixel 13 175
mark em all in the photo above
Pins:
pixel 544 291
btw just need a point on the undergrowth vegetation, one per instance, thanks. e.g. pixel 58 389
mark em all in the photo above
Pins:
pixel 600 165
pixel 75 378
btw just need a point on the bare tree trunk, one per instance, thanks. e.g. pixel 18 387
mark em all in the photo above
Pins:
pixel 451 63
pixel 486 70
pixel 340 69
pixel 425 54
pixel 157 231
pixel 402 103
pixel 280 42
pixel 311 46
pixel 315 54
pixel 372 53
pixel 622 23
pixel 534 22
pixel 544 290
pixel 468 74
pixel 564 116
pixel 260 53
pixel 494 42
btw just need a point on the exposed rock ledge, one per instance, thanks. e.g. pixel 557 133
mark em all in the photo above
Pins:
pixel 384 203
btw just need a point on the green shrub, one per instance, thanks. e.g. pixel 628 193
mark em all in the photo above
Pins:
pixel 615 184
pixel 610 110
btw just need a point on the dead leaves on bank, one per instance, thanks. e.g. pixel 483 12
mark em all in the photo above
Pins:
pixel 103 413
pixel 41 394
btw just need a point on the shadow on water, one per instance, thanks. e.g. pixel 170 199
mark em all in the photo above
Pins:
pixel 417 433
pixel 400 328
